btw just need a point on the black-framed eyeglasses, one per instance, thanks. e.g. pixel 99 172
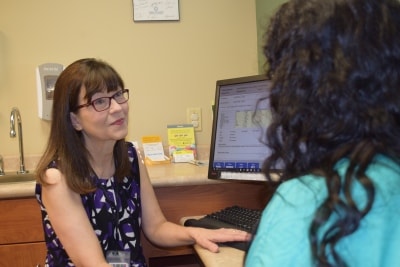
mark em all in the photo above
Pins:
pixel 103 103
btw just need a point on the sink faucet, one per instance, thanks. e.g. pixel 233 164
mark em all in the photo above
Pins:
pixel 1 166
pixel 13 133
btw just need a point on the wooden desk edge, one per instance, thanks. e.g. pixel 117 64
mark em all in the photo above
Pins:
pixel 227 256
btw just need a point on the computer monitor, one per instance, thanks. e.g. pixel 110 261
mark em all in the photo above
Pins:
pixel 240 119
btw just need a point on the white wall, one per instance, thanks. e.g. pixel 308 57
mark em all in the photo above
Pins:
pixel 168 66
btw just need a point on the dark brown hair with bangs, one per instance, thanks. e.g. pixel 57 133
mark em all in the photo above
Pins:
pixel 66 145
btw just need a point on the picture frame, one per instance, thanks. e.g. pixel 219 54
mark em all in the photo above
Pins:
pixel 156 10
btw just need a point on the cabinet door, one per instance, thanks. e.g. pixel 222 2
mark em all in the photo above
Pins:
pixel 20 221
pixel 23 255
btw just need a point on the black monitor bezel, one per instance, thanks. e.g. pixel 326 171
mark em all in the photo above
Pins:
pixel 216 174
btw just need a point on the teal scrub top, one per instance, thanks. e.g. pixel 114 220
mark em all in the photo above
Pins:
pixel 282 237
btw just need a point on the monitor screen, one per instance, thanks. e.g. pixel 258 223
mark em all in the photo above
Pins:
pixel 240 119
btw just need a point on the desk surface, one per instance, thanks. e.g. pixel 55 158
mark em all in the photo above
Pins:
pixel 179 174
pixel 163 175
pixel 227 256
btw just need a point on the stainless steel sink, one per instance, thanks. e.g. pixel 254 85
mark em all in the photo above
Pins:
pixel 17 178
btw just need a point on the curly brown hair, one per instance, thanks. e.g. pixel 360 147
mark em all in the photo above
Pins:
pixel 335 70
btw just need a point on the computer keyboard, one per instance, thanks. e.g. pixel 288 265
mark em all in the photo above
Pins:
pixel 234 217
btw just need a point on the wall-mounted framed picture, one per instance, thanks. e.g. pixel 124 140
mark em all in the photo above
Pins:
pixel 153 10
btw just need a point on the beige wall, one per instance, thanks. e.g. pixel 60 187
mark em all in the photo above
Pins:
pixel 264 11
pixel 168 66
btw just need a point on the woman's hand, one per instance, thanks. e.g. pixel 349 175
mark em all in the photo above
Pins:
pixel 208 238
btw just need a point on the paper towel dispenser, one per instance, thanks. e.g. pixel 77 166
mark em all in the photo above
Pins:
pixel 46 77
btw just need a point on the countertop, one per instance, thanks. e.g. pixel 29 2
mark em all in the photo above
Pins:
pixel 17 190
pixel 162 175
pixel 227 256
pixel 179 174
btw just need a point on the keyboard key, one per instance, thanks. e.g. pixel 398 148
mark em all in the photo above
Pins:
pixel 234 217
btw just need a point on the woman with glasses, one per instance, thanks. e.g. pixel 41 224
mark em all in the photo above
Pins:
pixel 94 197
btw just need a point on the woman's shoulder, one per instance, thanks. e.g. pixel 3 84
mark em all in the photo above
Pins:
pixel 131 150
pixel 52 176
pixel 312 188
pixel 306 184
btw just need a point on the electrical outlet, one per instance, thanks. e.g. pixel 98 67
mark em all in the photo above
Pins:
pixel 193 116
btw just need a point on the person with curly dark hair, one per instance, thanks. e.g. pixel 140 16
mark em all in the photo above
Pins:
pixel 335 101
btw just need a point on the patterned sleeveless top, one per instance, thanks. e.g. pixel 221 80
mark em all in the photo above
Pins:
pixel 114 211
